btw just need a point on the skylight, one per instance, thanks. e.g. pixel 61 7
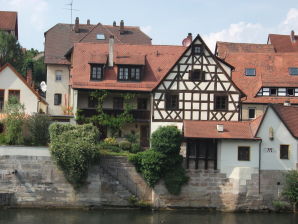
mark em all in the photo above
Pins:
pixel 293 71
pixel 100 36
pixel 250 71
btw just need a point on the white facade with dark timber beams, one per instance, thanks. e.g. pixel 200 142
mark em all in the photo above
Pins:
pixel 197 87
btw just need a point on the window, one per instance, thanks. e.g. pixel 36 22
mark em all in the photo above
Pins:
pixel 273 91
pixel 100 36
pixel 58 75
pixel 251 113
pixel 129 73
pixel 284 151
pixel 96 72
pixel 142 104
pixel 250 71
pixel 57 98
pixel 290 91
pixel 1 99
pixel 197 49
pixel 293 71
pixel 172 101
pixel 92 102
pixel 118 103
pixel 197 75
pixel 221 102
pixel 243 153
pixel 15 93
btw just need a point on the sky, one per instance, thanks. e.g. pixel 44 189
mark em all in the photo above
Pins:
pixel 167 22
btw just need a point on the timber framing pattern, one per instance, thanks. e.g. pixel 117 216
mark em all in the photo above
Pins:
pixel 196 98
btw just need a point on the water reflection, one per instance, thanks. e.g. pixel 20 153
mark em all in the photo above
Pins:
pixel 32 216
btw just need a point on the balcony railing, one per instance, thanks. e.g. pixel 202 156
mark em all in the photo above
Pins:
pixel 138 115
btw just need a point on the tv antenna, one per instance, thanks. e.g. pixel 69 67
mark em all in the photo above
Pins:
pixel 71 9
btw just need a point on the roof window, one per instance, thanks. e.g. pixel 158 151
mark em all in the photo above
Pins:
pixel 293 71
pixel 250 71
pixel 100 36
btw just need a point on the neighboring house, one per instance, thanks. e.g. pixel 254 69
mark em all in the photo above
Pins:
pixel 9 22
pixel 264 74
pixel 283 43
pixel 60 39
pixel 170 83
pixel 13 84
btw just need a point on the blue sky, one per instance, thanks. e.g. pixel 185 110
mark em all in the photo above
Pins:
pixel 165 21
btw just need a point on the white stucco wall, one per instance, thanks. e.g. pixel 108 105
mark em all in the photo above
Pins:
pixel 271 160
pixel 229 164
pixel 54 86
pixel 10 81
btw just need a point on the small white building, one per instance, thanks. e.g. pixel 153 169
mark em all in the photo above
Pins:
pixel 14 84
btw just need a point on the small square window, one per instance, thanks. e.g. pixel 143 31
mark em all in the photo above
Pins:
pixel 250 71
pixel 118 103
pixel 293 71
pixel 172 101
pixel 96 72
pixel 14 93
pixel 58 75
pixel 273 91
pixel 251 113
pixel 221 102
pixel 290 91
pixel 197 75
pixel 197 50
pixel 243 153
pixel 284 151
pixel 100 36
pixel 57 98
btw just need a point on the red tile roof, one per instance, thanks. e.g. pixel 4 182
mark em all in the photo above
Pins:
pixel 288 115
pixel 283 43
pixel 158 60
pixel 232 129
pixel 272 70
pixel 60 38
pixel 8 20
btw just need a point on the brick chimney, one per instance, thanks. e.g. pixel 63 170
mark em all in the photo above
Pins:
pixel 121 27
pixel 88 21
pixel 293 36
pixel 114 23
pixel 189 36
pixel 29 76
pixel 111 51
pixel 76 26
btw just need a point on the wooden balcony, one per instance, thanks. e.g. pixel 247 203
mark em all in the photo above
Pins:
pixel 138 115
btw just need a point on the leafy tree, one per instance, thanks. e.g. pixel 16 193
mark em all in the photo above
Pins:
pixel 290 190
pixel 10 51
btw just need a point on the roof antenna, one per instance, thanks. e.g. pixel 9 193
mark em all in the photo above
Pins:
pixel 71 10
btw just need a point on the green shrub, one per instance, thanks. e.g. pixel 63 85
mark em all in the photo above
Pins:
pixel 110 141
pixel 281 206
pixel 290 190
pixel 125 145
pixel 74 149
pixel 150 164
pixel 39 129
pixel 135 148
pixel 113 148
pixel 132 138
pixel 175 179
pixel 2 139
pixel 166 140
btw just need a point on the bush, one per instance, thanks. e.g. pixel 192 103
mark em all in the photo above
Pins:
pixel 39 129
pixel 290 190
pixel 281 206
pixel 74 149
pixel 166 140
pixel 132 138
pixel 125 145
pixel 175 179
pixel 2 139
pixel 135 148
pixel 113 148
pixel 150 164
pixel 110 141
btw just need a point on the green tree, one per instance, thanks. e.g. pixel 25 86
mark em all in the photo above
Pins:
pixel 10 51
pixel 290 190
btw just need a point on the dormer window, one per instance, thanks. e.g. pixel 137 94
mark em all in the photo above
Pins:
pixel 129 73
pixel 96 72
pixel 197 75
pixel 250 72
pixel 100 36
pixel 293 71
pixel 197 49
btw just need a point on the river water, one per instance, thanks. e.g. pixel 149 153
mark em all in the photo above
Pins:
pixel 36 216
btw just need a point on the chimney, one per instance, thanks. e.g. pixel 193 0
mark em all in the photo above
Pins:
pixel 88 21
pixel 287 103
pixel 29 76
pixel 121 27
pixel 189 36
pixel 114 23
pixel 111 51
pixel 76 26
pixel 220 127
pixel 293 36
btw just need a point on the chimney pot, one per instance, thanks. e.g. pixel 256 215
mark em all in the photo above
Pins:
pixel 77 23
pixel 293 36
pixel 111 51
pixel 121 27
pixel 189 36
pixel 88 21
pixel 114 23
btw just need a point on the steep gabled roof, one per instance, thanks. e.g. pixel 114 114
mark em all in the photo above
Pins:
pixel 283 43
pixel 8 20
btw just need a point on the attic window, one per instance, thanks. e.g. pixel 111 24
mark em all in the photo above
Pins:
pixel 250 71
pixel 197 49
pixel 293 71
pixel 100 36
pixel 129 73
pixel 197 75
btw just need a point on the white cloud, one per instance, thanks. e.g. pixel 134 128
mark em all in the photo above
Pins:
pixel 244 32
pixel 146 29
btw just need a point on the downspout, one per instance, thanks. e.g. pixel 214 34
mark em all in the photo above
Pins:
pixel 260 143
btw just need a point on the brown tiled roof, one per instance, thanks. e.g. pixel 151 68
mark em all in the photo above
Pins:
pixel 272 70
pixel 60 38
pixel 158 60
pixel 288 115
pixel 232 129
pixel 225 48
pixel 8 20
pixel 283 43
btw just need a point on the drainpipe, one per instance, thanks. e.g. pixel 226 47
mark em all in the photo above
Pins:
pixel 260 148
